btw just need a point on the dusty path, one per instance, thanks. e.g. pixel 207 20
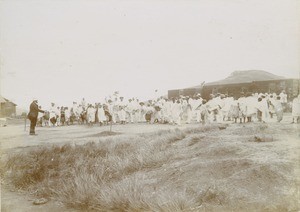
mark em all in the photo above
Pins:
pixel 15 137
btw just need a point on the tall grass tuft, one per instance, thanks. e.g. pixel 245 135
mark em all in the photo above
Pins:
pixel 143 172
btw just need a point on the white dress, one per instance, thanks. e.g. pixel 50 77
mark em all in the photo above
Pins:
pixel 263 107
pixel 296 107
pixel 250 106
pixel 176 113
pixel 101 114
pixel 91 114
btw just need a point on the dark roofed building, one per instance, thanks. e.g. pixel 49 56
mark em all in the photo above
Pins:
pixel 241 77
pixel 7 108
pixel 240 82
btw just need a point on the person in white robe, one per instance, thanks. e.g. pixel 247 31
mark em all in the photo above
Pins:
pixel 177 112
pixel 243 108
pixel 251 110
pixel 234 112
pixel 296 109
pixel 204 113
pixel 130 109
pixel 196 113
pixel 101 114
pixel 278 108
pixel 122 114
pixel 213 108
pixel 225 109
pixel 263 107
pixel 283 100
pixel 221 104
pixel 57 113
pixel 91 114
pixel 188 111
pixel 167 108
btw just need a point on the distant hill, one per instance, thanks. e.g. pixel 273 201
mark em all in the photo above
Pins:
pixel 246 77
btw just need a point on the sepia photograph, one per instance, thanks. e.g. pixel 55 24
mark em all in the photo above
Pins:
pixel 149 105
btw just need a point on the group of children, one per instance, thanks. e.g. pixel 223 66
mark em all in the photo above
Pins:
pixel 182 110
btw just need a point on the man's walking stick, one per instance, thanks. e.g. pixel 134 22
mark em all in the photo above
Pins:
pixel 25 123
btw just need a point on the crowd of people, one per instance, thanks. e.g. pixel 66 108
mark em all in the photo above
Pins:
pixel 249 107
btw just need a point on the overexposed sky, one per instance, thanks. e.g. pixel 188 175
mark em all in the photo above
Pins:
pixel 63 50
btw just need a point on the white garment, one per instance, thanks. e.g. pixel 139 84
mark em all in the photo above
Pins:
pixel 91 114
pixel 101 114
pixel 52 112
pixel 176 113
pixel 122 114
pixel 263 107
pixel 243 105
pixel 283 97
pixel 296 107
pixel 251 106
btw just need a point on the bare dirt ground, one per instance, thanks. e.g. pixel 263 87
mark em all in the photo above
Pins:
pixel 227 159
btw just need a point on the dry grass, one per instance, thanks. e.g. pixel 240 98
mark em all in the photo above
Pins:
pixel 172 170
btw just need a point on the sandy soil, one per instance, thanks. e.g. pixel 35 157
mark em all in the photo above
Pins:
pixel 229 147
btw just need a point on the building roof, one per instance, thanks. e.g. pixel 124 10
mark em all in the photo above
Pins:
pixel 246 77
pixel 4 100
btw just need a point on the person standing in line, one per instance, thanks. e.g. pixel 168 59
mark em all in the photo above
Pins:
pixel 296 109
pixel 278 108
pixel 197 102
pixel 122 114
pixel 33 115
pixel 189 111
pixel 283 100
pixel 202 108
pixel 57 113
pixel 91 114
pixel 101 115
pixel 177 112
pixel 262 106
pixel 251 110
pixel 130 110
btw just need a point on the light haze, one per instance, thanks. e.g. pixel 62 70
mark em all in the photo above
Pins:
pixel 61 51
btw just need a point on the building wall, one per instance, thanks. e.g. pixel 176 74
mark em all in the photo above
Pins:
pixel 291 86
pixel 173 94
pixel 7 109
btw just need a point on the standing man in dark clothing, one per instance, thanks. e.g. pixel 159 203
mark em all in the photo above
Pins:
pixel 33 115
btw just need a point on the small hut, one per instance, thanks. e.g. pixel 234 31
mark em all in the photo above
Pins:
pixel 7 108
